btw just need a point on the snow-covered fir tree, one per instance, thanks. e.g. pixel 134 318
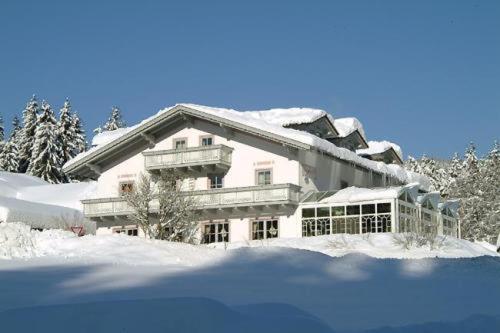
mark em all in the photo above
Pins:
pixel 475 182
pixel 27 137
pixel 2 135
pixel 80 141
pixel 16 127
pixel 9 157
pixel 115 120
pixel 46 160
pixel 2 129
pixel 66 133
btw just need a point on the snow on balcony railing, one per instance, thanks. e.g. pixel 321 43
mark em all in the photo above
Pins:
pixel 195 156
pixel 215 198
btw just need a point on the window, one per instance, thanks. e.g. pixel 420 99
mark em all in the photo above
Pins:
pixel 180 143
pixel 383 208
pixel 263 229
pixel 215 181
pixel 308 212
pixel 216 232
pixel 368 209
pixel 126 187
pixel 323 211
pixel 206 140
pixel 353 210
pixel 129 231
pixel 338 211
pixel 264 177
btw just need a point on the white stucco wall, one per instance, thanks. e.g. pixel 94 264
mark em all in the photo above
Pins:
pixel 249 154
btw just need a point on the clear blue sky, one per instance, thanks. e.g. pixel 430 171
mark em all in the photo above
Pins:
pixel 424 74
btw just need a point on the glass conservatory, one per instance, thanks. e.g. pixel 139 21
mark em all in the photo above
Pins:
pixel 359 210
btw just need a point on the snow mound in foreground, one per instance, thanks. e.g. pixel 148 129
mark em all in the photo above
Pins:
pixel 18 241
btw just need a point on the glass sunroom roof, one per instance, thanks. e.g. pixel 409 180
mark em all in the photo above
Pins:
pixel 317 196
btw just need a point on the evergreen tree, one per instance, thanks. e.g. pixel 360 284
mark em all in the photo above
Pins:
pixel 66 133
pixel 45 161
pixel 2 129
pixel 115 120
pixel 80 143
pixel 16 127
pixel 2 136
pixel 9 157
pixel 27 135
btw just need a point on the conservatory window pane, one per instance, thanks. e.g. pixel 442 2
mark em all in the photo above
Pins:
pixel 368 209
pixel 322 211
pixel 308 212
pixel 338 211
pixel 383 208
pixel 353 210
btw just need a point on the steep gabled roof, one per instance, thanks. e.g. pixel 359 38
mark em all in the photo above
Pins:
pixel 145 131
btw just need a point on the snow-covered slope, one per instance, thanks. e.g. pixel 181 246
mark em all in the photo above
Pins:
pixel 31 200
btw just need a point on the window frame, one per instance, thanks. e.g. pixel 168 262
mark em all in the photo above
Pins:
pixel 265 222
pixel 175 140
pixel 256 175
pixel 123 182
pixel 216 234
pixel 202 137
pixel 209 181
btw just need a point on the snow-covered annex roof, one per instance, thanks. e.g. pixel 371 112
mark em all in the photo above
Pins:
pixel 255 122
pixel 357 194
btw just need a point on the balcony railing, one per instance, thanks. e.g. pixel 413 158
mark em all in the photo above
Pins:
pixel 206 199
pixel 215 155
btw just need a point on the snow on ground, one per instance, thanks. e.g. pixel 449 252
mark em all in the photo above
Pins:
pixel 373 245
pixel 349 283
pixel 31 200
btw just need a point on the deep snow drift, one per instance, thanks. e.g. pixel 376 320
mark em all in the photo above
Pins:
pixel 315 282
pixel 31 200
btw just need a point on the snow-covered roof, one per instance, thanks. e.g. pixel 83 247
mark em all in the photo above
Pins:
pixel 108 136
pixel 358 194
pixel 290 116
pixel 378 147
pixel 257 123
pixel 452 205
pixel 433 197
pixel 346 126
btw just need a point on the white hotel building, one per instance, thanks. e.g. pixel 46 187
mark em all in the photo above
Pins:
pixel 263 174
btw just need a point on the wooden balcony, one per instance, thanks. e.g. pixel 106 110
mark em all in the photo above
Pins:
pixel 224 198
pixel 212 158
